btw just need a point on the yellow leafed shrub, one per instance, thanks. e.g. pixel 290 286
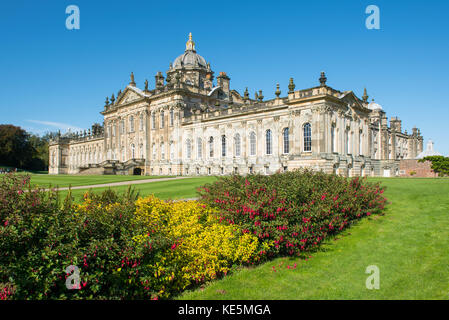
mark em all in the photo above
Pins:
pixel 203 248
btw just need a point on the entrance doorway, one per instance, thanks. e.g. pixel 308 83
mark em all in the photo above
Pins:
pixel 137 171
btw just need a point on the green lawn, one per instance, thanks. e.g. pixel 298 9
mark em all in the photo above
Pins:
pixel 409 244
pixel 176 189
pixel 45 180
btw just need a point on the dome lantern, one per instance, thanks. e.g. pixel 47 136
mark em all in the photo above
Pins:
pixel 190 45
pixel 190 58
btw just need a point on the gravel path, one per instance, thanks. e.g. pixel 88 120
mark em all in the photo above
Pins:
pixel 121 183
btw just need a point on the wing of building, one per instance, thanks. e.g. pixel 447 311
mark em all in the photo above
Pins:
pixel 190 124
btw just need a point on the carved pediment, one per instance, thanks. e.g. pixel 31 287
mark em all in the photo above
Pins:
pixel 351 100
pixel 128 96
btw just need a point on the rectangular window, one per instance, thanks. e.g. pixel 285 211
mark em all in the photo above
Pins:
pixel 286 140
pixel 223 146
pixel 211 147
pixel 162 120
pixel 252 142
pixel 268 142
pixel 131 124
pixel 200 148
pixel 307 137
pixel 172 118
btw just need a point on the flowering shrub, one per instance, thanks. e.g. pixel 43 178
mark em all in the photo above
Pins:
pixel 294 211
pixel 129 248
pixel 202 247
pixel 40 238
pixel 123 248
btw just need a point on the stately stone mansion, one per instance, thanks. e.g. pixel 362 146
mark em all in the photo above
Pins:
pixel 191 125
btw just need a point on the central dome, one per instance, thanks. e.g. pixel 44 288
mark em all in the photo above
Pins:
pixel 190 58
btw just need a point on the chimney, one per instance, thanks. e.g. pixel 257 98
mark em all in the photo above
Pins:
pixel 223 82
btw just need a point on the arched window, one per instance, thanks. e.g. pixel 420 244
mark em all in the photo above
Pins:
pixel 188 149
pixel 122 126
pixel 307 137
pixel 133 151
pixel 269 142
pixel 162 119
pixel 153 121
pixel 141 122
pixel 237 145
pixel 286 137
pixel 211 147
pixel 199 147
pixel 223 146
pixel 131 124
pixel 172 117
pixel 252 144
pixel 162 151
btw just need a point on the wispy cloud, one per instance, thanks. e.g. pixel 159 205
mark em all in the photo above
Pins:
pixel 56 125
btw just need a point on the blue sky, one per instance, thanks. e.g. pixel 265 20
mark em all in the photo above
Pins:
pixel 52 77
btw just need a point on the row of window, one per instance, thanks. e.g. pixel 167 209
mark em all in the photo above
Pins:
pixel 348 141
pixel 161 119
pixel 111 128
pixel 252 143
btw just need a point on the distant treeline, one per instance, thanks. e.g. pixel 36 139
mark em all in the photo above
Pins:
pixel 23 150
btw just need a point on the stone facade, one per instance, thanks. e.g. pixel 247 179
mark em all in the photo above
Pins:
pixel 187 125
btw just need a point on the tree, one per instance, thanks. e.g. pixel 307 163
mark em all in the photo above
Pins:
pixel 21 149
pixel 41 146
pixel 15 147
pixel 440 164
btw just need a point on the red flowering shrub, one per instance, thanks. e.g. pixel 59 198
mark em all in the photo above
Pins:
pixel 293 211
